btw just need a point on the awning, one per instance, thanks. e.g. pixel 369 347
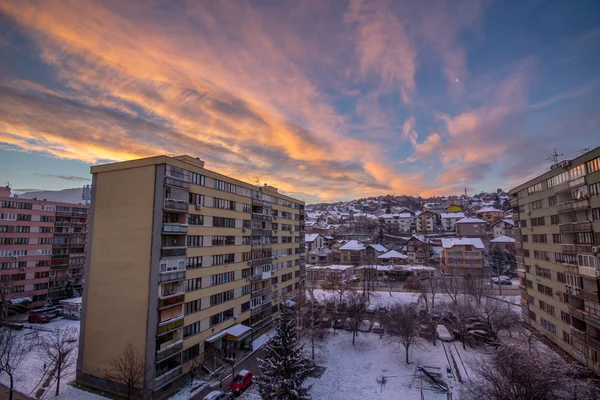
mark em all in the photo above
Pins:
pixel 234 333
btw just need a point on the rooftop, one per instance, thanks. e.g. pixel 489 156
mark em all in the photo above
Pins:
pixel 468 220
pixel 353 245
pixel 393 254
pixel 449 243
pixel 503 239
pixel 489 209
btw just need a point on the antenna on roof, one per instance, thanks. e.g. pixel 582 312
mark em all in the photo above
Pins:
pixel 583 151
pixel 554 157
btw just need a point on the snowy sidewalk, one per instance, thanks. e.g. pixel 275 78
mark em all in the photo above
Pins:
pixel 5 392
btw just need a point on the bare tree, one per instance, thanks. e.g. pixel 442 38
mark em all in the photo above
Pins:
pixel 309 313
pixel 427 287
pixel 129 369
pixel 12 351
pixel 461 310
pixel 403 325
pixel 389 284
pixel 337 285
pixel 498 315
pixel 452 286
pixel 357 306
pixel 547 377
pixel 475 287
pixel 59 350
pixel 195 367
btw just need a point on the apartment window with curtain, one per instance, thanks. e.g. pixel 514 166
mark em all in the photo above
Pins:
pixel 194 241
pixel 196 219
pixel 193 284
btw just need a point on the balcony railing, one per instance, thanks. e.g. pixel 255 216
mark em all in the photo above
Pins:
pixel 575 227
pixel 263 322
pixel 591 319
pixel 175 205
pixel 261 292
pixel 175 229
pixel 173 251
pixel 261 232
pixel 169 350
pixel 170 276
pixel 261 277
pixel 171 301
pixel 263 261
pixel 574 205
pixel 261 307
pixel 576 248
pixel 578 334
pixel 170 326
pixel 594 342
pixel 589 271
pixel 261 217
pixel 167 377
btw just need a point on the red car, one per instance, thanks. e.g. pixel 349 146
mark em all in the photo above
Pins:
pixel 38 318
pixel 241 381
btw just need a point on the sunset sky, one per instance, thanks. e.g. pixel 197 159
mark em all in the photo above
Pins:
pixel 327 100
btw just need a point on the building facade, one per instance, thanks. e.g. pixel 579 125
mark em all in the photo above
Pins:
pixel 557 229
pixel 183 262
pixel 462 256
pixel 427 222
pixel 450 219
pixel 42 248
pixel 470 227
pixel 418 250
pixel 490 214
pixel 504 227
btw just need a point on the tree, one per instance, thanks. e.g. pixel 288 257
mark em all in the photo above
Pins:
pixel 357 306
pixel 337 285
pixel 195 365
pixel 284 368
pixel 129 369
pixel 308 312
pixel 461 310
pixel 12 351
pixel 59 350
pixel 475 287
pixel 497 314
pixel 523 369
pixel 403 325
pixel 427 287
pixel 497 260
pixel 389 284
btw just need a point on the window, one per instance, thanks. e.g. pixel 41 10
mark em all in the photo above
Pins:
pixel 219 259
pixel 223 204
pixel 596 214
pixel 547 307
pixel 595 189
pixel 194 262
pixel 223 240
pixel 17 289
pixel 195 219
pixel 17 277
pixel 525 238
pixel 565 258
pixel 221 297
pixel 193 284
pixel 536 205
pixel 197 179
pixel 557 238
pixel 593 165
pixel 566 317
pixel 40 286
pixel 192 307
pixel 245 240
pixel 191 353
pixel 523 223
pixel 224 277
pixel 541 255
pixel 246 272
pixel 45 241
pixel 42 274
pixel 221 222
pixel 539 238
pixel 552 201
pixel 579 193
pixel 46 229
pixel 3 228
pixel 22 229
pixel 42 263
pixel 246 306
pixel 8 217
pixel 535 188
pixel 540 221
pixel 554 220
pixel 548 325
pixel 246 207
pixel 245 290
pixel 194 241
pixel 43 218
pixel 546 273
pixel 221 317
pixel 584 238
pixel 560 276
pixel 195 198
pixel 224 186
pixel 191 330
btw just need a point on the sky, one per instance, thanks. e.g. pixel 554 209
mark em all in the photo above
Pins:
pixel 327 101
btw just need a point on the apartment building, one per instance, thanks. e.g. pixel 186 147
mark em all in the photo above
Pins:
pixel 183 263
pixel 504 227
pixel 42 248
pixel 450 219
pixel 352 253
pixel 557 229
pixel 428 222
pixel 418 250
pixel 462 256
pixel 490 214
pixel 470 227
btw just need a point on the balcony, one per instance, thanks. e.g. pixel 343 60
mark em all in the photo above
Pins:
pixel 261 292
pixel 261 323
pixel 262 246
pixel 523 288
pixel 170 276
pixel 174 205
pixel 166 351
pixel 263 261
pixel 588 271
pixel 167 326
pixel 261 217
pixel 167 377
pixel 261 307
pixel 261 277
pixel 576 312
pixel 576 227
pixel 177 183
pixel 578 334
pixel 573 205
pixel 175 229
pixel 171 301
pixel 173 251
pixel 261 232
pixel 594 342
pixel 577 182
pixel 591 319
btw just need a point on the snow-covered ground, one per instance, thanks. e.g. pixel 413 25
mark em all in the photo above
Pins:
pixel 31 373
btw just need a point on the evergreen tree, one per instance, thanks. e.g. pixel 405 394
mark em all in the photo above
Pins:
pixel 284 368
pixel 497 260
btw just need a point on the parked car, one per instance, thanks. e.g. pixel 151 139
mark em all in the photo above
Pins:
pixel 241 381
pixel 218 395
pixel 338 324
pixel 377 328
pixel 472 319
pixel 424 331
pixel 325 323
pixel 37 318
pixel 365 326
pixel 348 324
pixel 443 333
pixel 483 337
pixel 372 308
pixel 502 280
pixel 476 326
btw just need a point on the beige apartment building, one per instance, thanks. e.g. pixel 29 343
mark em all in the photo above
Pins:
pixel 557 229
pixel 462 256
pixel 183 262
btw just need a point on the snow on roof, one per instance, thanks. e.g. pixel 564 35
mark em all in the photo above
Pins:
pixel 377 267
pixel 332 267
pixel 503 239
pixel 238 330
pixel 353 245
pixel 489 209
pixel 378 247
pixel 453 215
pixel 75 300
pixel 393 254
pixel 243 372
pixel 322 251
pixel 449 243
pixel 468 220
pixel 418 268
pixel 328 237
pixel 311 237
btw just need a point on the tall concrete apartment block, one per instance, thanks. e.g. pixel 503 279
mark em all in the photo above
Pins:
pixel 183 263
pixel 42 247
pixel 557 226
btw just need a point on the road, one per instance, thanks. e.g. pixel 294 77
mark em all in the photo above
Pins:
pixel 251 364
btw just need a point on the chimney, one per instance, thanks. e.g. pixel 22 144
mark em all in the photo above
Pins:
pixel 5 191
